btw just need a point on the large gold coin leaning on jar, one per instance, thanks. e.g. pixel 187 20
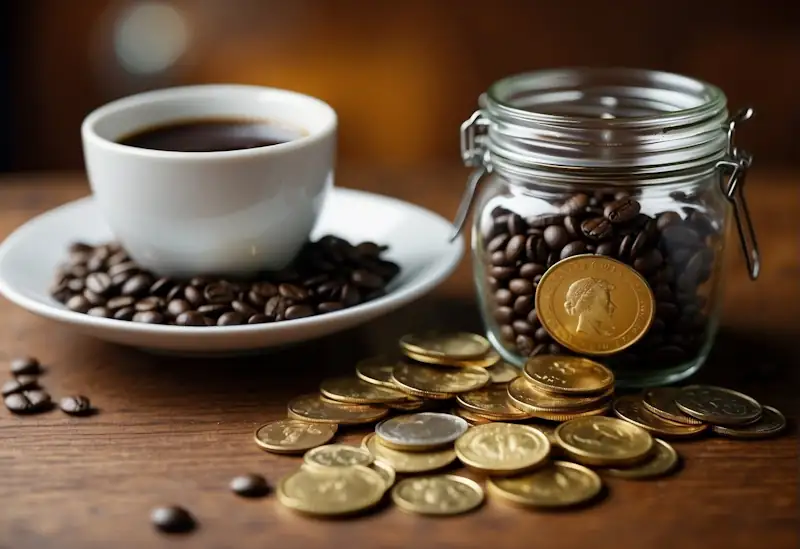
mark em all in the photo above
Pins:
pixel 568 375
pixel 604 441
pixel 313 409
pixel 662 461
pixel 452 345
pixel 631 408
pixel 558 484
pixel 408 462
pixel 433 382
pixel 337 455
pixel 503 448
pixel 437 495
pixel 352 390
pixel 594 305
pixel 290 436
pixel 331 491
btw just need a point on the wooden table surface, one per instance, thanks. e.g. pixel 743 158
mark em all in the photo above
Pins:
pixel 176 430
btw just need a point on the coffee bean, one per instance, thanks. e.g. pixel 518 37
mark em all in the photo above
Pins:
pixel 516 225
pixel 259 319
pixel 556 237
pixel 77 405
pixel 680 236
pixel 504 315
pixel 573 227
pixel 625 245
pixel 79 304
pixel 523 305
pixel 498 243
pixel 162 287
pixel 329 307
pixel 522 327
pixel 25 366
pixel 533 318
pixel 666 219
pixel 116 303
pixel 525 345
pixel 350 295
pixel 137 285
pixel 126 313
pixel 639 244
pixel 530 270
pixel 127 268
pixel 539 349
pixel 148 317
pixel 93 298
pixel 217 292
pixel 622 210
pixel 99 283
pixel 597 228
pixel 360 277
pixel 575 204
pixel 649 262
pixel 607 249
pixel 99 312
pixel 504 297
pixel 576 247
pixel 28 402
pixel 19 384
pixel 515 247
pixel 172 519
pixel 502 273
pixel 499 259
pixel 193 296
pixel 177 307
pixel 542 335
pixel 521 286
pixel 495 226
pixel 507 333
pixel 542 221
pixel 213 310
pixel 191 318
pixel 117 258
pixel 243 308
pixel 667 311
pixel 249 486
pixel 151 303
pixel 231 318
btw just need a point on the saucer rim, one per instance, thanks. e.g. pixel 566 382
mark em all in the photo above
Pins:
pixel 349 317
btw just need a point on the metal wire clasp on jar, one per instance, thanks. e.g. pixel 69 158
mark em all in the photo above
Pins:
pixel 636 165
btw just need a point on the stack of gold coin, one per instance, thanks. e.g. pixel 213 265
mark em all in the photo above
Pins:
pixel 560 388
pixel 453 349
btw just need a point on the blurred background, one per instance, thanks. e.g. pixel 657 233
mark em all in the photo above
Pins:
pixel 402 75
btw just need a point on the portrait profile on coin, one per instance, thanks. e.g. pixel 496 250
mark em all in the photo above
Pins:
pixel 589 300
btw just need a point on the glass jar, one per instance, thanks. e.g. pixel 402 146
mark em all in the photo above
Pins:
pixel 636 165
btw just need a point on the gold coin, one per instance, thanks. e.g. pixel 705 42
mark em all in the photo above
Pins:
pixel 433 382
pixel 490 359
pixel 718 405
pixel 408 462
pixel 377 370
pixel 631 409
pixel 527 396
pixel 770 423
pixel 604 441
pixel 352 390
pixel 568 375
pixel 503 372
pixel 420 432
pixel 663 460
pixel 558 484
pixel 493 402
pixel 454 346
pixel 385 470
pixel 594 305
pixel 567 416
pixel 437 495
pixel 331 491
pixel 423 395
pixel 411 404
pixel 503 448
pixel 661 401
pixel 337 455
pixel 291 436
pixel 315 410
pixel 471 417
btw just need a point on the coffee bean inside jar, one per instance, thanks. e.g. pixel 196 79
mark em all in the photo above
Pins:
pixel 634 165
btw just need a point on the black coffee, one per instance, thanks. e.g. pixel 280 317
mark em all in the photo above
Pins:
pixel 208 135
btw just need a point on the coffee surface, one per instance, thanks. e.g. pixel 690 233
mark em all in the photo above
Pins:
pixel 209 135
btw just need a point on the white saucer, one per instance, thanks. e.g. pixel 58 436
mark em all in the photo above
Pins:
pixel 418 241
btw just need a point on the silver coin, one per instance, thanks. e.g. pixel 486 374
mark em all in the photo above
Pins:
pixel 421 431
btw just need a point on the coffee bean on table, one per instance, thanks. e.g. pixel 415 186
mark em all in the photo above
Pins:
pixel 172 519
pixel 27 365
pixel 76 405
pixel 249 486
pixel 28 402
pixel 19 384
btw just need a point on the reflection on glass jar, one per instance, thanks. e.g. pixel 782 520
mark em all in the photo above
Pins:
pixel 632 165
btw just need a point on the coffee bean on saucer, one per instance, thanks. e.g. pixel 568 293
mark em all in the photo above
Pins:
pixel 298 311
pixel 27 366
pixel 231 318
pixel 259 318
pixel 28 402
pixel 19 384
pixel 120 302
pixel 79 304
pixel 77 405
pixel 249 486
pixel 148 317
pixel 137 285
pixel 172 519
pixel 191 318
pixel 176 307
pixel 101 312
pixel 151 303
pixel 126 313
pixel 213 310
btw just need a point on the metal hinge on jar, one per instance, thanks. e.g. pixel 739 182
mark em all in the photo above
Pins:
pixel 473 154
pixel 737 162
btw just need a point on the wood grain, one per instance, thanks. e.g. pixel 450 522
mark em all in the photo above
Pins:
pixel 177 430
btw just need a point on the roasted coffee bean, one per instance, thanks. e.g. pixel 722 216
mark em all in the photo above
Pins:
pixel 639 244
pixel 533 319
pixel 128 267
pixel 191 318
pixel 249 486
pixel 523 305
pixel 622 210
pixel 295 293
pixel 117 303
pixel 597 228
pixel 521 286
pixel 666 219
pixel 126 313
pixel 350 295
pixel 161 287
pixel 521 327
pixel 701 223
pixel 515 247
pixel 649 262
pixel 625 245
pixel 314 281
pixel 231 318
pixel 542 221
pixel 575 204
pixel 496 226
pixel 493 283
pixel 573 227
pixel 78 303
pixel 680 236
pixel 217 292
pixel 504 297
pixel 151 303
pixel 177 307
pixel 530 270
pixel 360 277
pixel 259 319
pixel 298 311
pixel 504 315
pixel 507 333
pixel 77 405
pixel 99 283
pixel 576 247
pixel 28 402
pixel 516 225
pixel 667 311
pixel 499 259
pixel 19 384
pixel 149 317
pixel 498 243
pixel 93 298
pixel 117 258
pixel 329 307
pixel 556 237
pixel 542 336
pixel 172 519
pixel 193 296
pixel 607 248
pixel 525 345
pixel 213 310
pixel 137 285
pixel 25 366
pixel 275 307
pixel 264 289
pixel 243 308
pixel 100 312
pixel 80 248
pixel 502 273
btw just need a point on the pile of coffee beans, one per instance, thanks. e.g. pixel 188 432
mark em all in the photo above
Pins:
pixel 675 252
pixel 328 275
pixel 24 394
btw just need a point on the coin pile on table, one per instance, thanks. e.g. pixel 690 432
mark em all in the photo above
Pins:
pixel 537 437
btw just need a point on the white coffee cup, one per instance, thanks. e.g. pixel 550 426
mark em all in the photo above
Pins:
pixel 230 213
